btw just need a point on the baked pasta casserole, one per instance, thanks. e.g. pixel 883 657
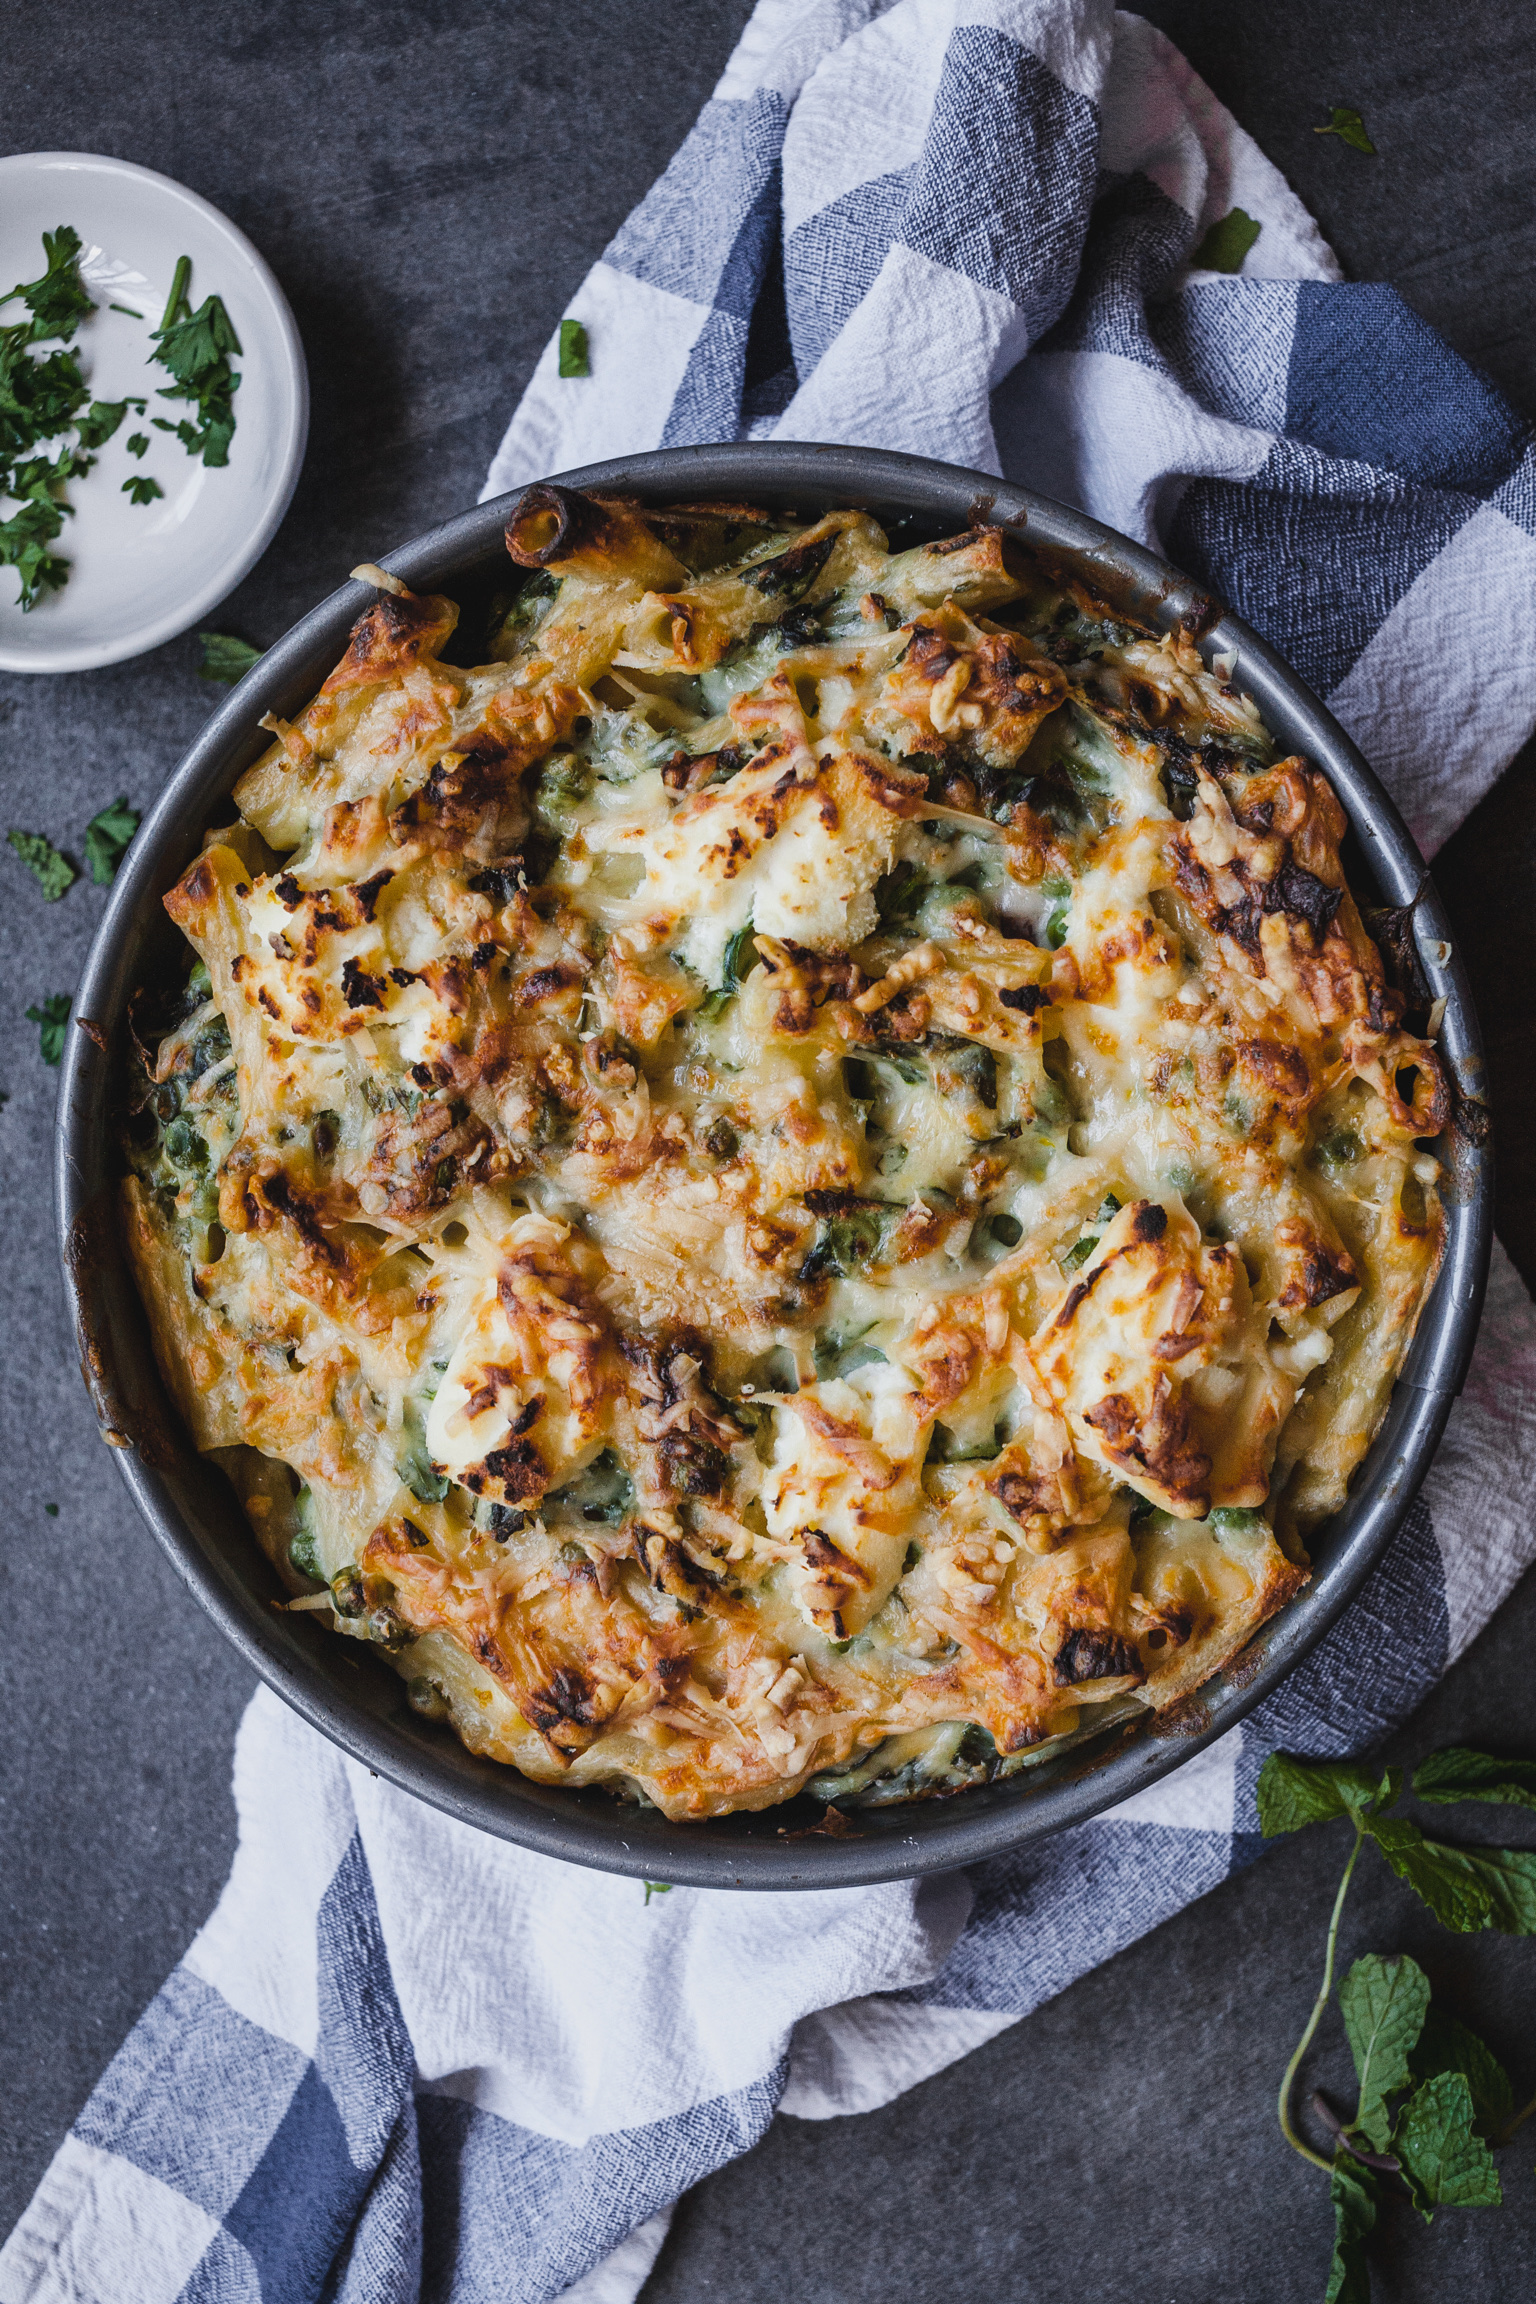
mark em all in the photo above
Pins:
pixel 807 1176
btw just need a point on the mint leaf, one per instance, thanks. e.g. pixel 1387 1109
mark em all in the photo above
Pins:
pixel 225 658
pixel 1445 2161
pixel 1448 2045
pixel 52 872
pixel 1345 122
pixel 50 1020
pixel 106 839
pixel 574 357
pixel 1460 1774
pixel 1440 1877
pixel 1383 2004
pixel 1227 243
pixel 1465 1888
pixel 1352 2189
pixel 1294 1792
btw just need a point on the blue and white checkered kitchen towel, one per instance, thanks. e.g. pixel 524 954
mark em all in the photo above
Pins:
pixel 403 2060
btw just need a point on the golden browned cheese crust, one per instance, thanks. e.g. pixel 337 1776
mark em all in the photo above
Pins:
pixel 807 1175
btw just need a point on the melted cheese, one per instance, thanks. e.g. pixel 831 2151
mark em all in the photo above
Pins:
pixel 805 1175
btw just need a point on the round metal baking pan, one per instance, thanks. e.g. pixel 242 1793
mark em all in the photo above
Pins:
pixel 352 1696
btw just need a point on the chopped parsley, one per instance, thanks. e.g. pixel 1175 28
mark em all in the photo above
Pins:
pixel 106 838
pixel 50 1020
pixel 136 443
pixel 196 348
pixel 575 359
pixel 102 419
pixel 225 658
pixel 57 301
pixel 1227 243
pixel 52 872
pixel 40 398
pixel 140 489
pixel 1345 122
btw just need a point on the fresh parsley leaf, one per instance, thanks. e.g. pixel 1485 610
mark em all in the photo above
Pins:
pixel 1445 2161
pixel 136 443
pixel 1448 2045
pixel 1345 122
pixel 24 545
pixel 140 489
pixel 100 421
pixel 1294 1792
pixel 656 1888
pixel 52 872
pixel 1460 1774
pixel 196 348
pixel 574 357
pixel 50 1020
pixel 225 658
pixel 106 839
pixel 1352 2190
pixel 57 301
pixel 1227 243
pixel 1383 2004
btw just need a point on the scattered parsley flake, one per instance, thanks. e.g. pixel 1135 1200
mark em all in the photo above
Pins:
pixel 575 358
pixel 52 1511
pixel 1345 122
pixel 128 308
pixel 139 488
pixel 656 1888
pixel 196 347
pixel 1227 243
pixel 225 658
pixel 100 421
pixel 50 1020
pixel 52 872
pixel 106 840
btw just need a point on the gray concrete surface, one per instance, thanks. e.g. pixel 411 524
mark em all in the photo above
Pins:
pixel 429 182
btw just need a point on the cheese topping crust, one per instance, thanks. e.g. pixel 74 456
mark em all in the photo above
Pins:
pixel 807 1176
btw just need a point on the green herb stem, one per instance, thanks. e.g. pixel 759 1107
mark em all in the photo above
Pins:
pixel 1287 2127
pixel 182 275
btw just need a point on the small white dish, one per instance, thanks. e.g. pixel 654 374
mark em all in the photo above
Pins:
pixel 139 574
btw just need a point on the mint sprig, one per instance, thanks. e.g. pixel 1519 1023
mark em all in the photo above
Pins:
pixel 1432 2096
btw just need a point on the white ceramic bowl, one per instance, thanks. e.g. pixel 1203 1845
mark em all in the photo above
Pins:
pixel 139 574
